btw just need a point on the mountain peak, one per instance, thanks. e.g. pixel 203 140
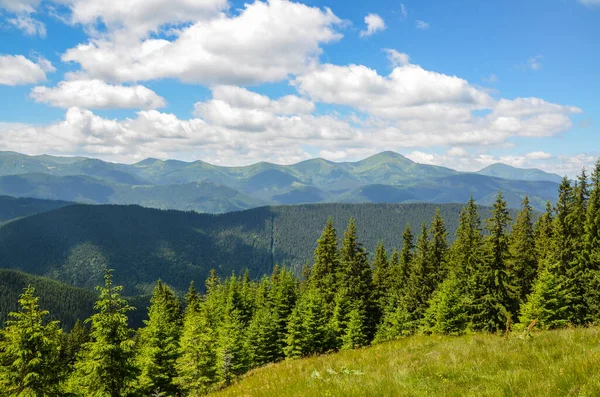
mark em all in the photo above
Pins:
pixel 501 170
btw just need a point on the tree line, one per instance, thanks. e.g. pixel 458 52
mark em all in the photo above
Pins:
pixel 497 275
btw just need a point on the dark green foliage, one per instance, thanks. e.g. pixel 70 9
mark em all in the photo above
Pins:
pixel 106 367
pixel 232 354
pixel 13 208
pixel 30 351
pixel 523 262
pixel 494 300
pixel 74 341
pixel 74 244
pixel 159 343
pixel 263 346
pixel 324 272
pixel 544 235
pixel 382 279
pixel 355 334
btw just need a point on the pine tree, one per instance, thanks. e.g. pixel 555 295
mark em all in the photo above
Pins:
pixel 494 300
pixel 400 266
pixel 547 304
pixel 355 275
pixel 74 342
pixel 448 311
pixel 323 275
pixel 590 254
pixel 544 236
pixel 339 320
pixel 232 358
pixel 418 289
pixel 30 351
pixel 307 327
pixel 159 343
pixel 105 367
pixel 381 279
pixel 295 338
pixel 522 266
pixel 192 298
pixel 283 296
pixel 438 251
pixel 197 362
pixel 355 334
pixel 263 346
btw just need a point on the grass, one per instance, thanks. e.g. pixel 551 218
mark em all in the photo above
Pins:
pixel 552 363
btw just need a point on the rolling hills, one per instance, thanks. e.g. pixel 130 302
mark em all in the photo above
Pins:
pixel 203 187
pixel 13 208
pixel 551 363
pixel 74 244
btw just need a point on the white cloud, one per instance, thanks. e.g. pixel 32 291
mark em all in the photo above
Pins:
pixel 408 92
pixel 590 3
pixel 535 63
pixel 456 151
pixel 18 6
pixel 374 24
pixel 422 24
pixel 18 70
pixel 560 164
pixel 28 25
pixel 403 11
pixel 397 58
pixel 266 42
pixel 139 17
pixel 96 94
pixel 538 155
pixel 245 99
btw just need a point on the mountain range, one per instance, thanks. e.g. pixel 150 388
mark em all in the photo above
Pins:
pixel 387 177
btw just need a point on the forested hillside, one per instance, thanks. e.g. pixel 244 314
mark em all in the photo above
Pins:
pixel 76 243
pixel 12 207
pixel 65 302
pixel 502 274
pixel 386 177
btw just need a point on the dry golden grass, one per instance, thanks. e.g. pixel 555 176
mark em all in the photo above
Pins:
pixel 553 363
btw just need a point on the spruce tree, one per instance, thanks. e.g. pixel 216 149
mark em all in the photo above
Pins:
pixel 197 362
pixel 74 342
pixel 400 266
pixel 296 334
pixel 522 265
pixel 448 311
pixel 159 343
pixel 232 358
pixel 105 367
pixel 381 279
pixel 263 346
pixel 544 237
pixel 192 298
pixel 494 299
pixel 547 304
pixel 30 351
pixel 283 296
pixel 590 254
pixel 419 286
pixel 323 275
pixel 438 250
pixel 355 334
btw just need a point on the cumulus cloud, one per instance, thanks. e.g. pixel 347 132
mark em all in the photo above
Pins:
pixel 18 70
pixel 96 94
pixel 266 42
pixel 470 162
pixel 374 24
pixel 28 25
pixel 18 6
pixel 422 24
pixel 397 58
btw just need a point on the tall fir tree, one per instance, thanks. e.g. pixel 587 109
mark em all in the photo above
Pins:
pixel 522 265
pixel 263 346
pixel 418 289
pixel 74 342
pixel 283 296
pixel 355 335
pixel 105 367
pixel 547 303
pixel 197 361
pixel 494 299
pixel 400 266
pixel 448 311
pixel 438 251
pixel 323 275
pixel 159 343
pixel 590 254
pixel 192 298
pixel 544 237
pixel 30 351
pixel 381 279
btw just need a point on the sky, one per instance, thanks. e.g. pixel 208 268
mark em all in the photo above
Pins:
pixel 462 84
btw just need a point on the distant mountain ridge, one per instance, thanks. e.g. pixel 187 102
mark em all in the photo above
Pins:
pixel 204 187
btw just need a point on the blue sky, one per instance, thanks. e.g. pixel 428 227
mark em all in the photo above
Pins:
pixel 457 83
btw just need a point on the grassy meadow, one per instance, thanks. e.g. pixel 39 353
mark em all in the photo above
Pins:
pixel 551 363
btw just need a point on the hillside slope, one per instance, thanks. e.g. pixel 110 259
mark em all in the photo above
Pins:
pixel 64 302
pixel 74 244
pixel 12 207
pixel 500 170
pixel 553 363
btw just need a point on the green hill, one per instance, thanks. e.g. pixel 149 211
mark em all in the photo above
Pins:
pixel 553 363
pixel 75 243
pixel 64 302
pixel 12 207
pixel 500 170
pixel 203 187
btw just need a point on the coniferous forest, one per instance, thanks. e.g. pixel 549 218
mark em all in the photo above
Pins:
pixel 498 275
